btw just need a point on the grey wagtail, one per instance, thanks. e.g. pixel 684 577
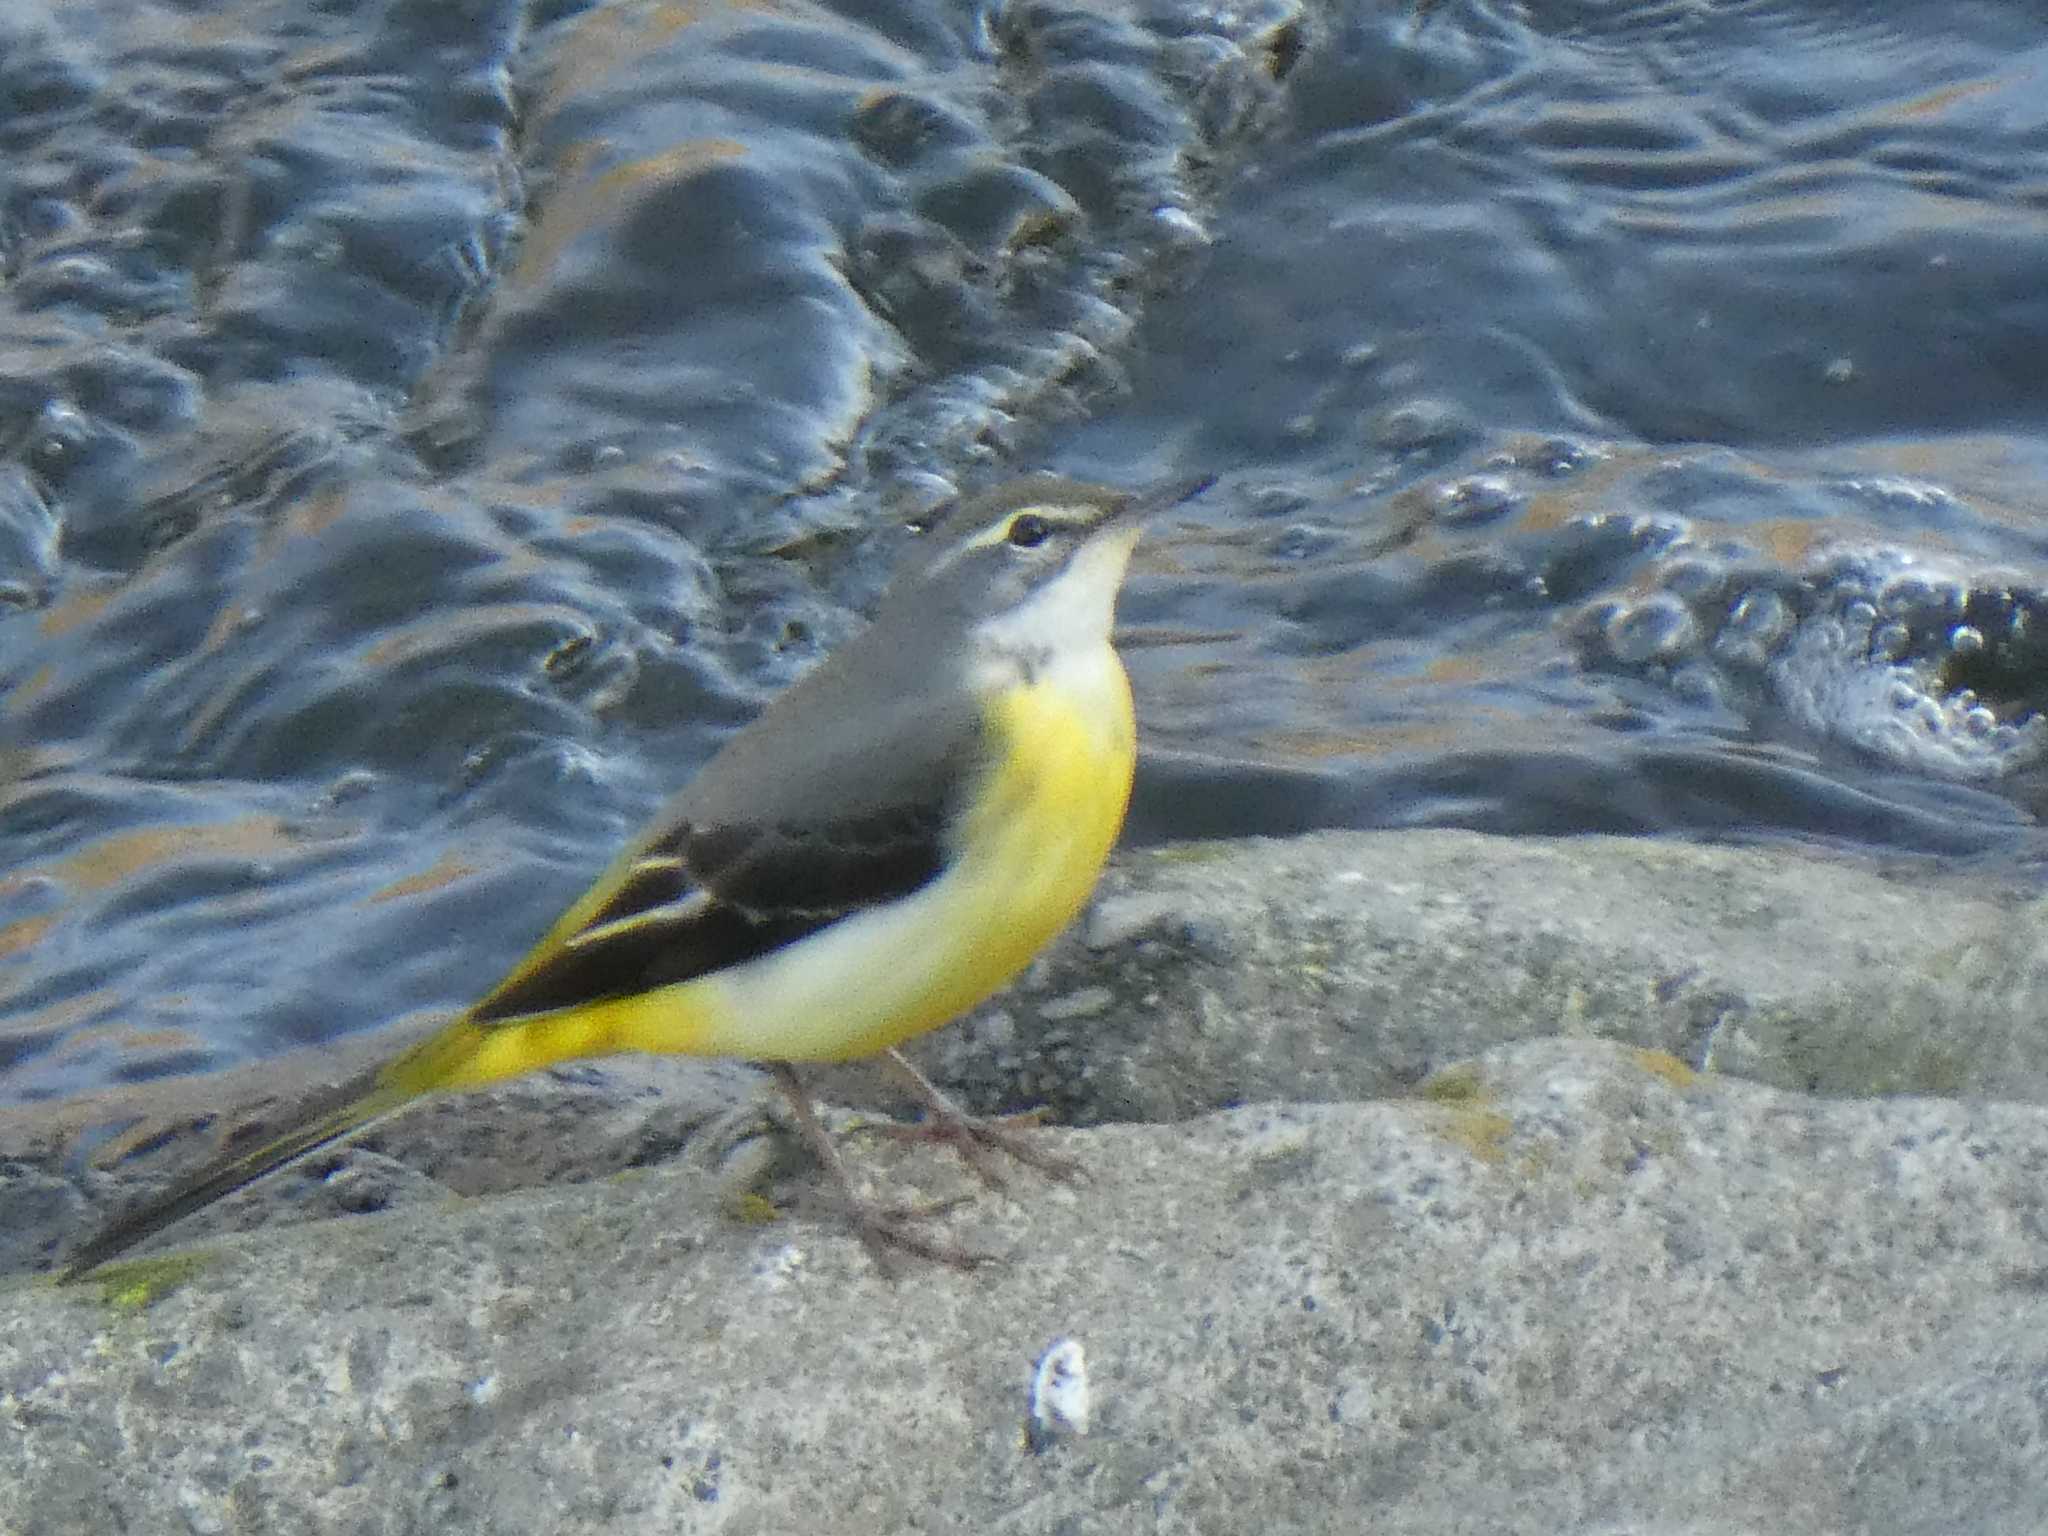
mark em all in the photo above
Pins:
pixel 889 843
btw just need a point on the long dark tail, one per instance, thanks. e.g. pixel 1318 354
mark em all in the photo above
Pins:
pixel 326 1117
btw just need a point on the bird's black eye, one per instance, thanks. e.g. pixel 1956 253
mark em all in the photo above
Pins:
pixel 1028 530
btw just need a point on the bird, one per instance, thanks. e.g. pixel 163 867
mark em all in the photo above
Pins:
pixel 891 841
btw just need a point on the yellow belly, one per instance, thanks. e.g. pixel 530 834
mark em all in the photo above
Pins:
pixel 1024 864
pixel 1027 859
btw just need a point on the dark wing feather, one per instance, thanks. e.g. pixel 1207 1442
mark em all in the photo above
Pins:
pixel 825 872
pixel 713 897
pixel 742 864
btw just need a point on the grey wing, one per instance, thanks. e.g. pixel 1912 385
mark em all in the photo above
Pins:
pixel 780 836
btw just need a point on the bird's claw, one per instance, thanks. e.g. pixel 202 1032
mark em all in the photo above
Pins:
pixel 976 1139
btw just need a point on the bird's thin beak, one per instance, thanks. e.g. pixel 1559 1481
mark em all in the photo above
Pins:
pixel 1127 518
pixel 1124 521
pixel 1158 498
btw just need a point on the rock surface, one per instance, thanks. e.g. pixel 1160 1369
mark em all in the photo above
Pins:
pixel 1567 1284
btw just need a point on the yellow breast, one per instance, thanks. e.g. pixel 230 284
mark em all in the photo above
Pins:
pixel 1026 855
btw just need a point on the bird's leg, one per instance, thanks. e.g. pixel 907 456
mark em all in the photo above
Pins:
pixel 885 1230
pixel 976 1138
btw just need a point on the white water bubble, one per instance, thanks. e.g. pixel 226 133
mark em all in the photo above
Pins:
pixel 1760 615
pixel 1659 628
pixel 1891 642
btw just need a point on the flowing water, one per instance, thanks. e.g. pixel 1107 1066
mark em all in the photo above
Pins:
pixel 428 427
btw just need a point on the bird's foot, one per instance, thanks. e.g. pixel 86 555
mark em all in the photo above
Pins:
pixel 886 1231
pixel 976 1139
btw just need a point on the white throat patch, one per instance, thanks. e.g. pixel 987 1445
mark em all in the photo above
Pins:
pixel 1069 617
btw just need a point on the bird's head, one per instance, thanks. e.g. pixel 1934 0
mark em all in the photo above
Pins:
pixel 1031 566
